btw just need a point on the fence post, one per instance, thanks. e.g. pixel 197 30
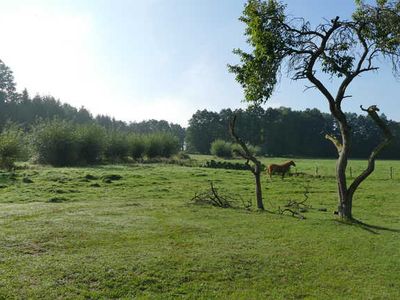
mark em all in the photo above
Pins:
pixel 351 173
pixel 316 170
pixel 391 172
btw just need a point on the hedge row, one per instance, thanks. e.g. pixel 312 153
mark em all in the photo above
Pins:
pixel 224 149
pixel 226 165
pixel 62 143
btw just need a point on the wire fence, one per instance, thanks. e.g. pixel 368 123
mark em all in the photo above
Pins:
pixel 351 172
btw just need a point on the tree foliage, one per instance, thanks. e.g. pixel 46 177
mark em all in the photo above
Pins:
pixel 11 146
pixel 7 84
pixel 221 148
pixel 341 48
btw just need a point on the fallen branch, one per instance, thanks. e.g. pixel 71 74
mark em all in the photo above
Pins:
pixel 215 198
pixel 293 212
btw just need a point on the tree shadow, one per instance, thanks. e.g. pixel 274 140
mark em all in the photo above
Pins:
pixel 374 229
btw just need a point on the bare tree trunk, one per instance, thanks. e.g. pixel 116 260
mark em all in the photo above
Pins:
pixel 345 203
pixel 255 169
pixel 257 174
pixel 346 193
pixel 372 112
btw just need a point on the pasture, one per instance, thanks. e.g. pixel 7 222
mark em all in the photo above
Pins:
pixel 129 231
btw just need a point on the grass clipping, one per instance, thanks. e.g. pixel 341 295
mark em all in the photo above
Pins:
pixel 219 198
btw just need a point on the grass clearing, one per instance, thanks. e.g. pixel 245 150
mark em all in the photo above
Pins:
pixel 129 232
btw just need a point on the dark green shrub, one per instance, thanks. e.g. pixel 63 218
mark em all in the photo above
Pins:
pixel 161 145
pixel 226 165
pixel 170 145
pixel 221 148
pixel 92 142
pixel 56 143
pixel 183 155
pixel 117 146
pixel 137 146
pixel 10 147
pixel 236 149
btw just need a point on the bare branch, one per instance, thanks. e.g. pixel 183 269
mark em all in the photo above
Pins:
pixel 310 66
pixel 359 69
pixel 309 88
pixel 372 112
pixel 256 168
pixel 335 142
pixel 247 154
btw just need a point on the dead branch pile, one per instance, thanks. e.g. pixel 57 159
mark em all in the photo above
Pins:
pixel 296 208
pixel 217 198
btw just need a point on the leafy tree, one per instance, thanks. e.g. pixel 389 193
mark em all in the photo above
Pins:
pixel 83 116
pixel 137 146
pixel 221 148
pixel 161 145
pixel 7 84
pixel 343 49
pixel 11 145
pixel 155 126
pixel 117 145
pixel 92 142
pixel 56 143
pixel 204 128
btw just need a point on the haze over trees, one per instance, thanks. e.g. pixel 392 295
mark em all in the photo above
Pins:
pixel 45 130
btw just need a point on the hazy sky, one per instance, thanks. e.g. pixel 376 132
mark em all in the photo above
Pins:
pixel 154 59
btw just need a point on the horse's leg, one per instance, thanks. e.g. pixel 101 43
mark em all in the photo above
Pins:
pixel 283 175
pixel 269 172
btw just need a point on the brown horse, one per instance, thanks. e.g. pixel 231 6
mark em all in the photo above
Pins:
pixel 280 169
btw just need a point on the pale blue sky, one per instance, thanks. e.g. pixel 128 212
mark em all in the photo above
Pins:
pixel 161 59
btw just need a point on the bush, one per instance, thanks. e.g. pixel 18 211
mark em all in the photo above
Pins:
pixel 221 148
pixel 161 145
pixel 56 143
pixel 11 143
pixel 183 155
pixel 117 146
pixel 227 165
pixel 170 145
pixel 137 146
pixel 92 142
pixel 255 150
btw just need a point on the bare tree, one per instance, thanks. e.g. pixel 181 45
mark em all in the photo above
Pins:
pixel 343 49
pixel 256 168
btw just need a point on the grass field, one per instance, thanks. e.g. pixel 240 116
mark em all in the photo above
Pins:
pixel 69 234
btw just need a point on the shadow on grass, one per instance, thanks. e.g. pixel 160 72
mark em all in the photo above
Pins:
pixel 368 227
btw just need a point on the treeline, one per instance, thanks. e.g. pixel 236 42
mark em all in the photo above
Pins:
pixel 26 111
pixel 21 109
pixel 44 130
pixel 285 132
pixel 276 132
pixel 64 143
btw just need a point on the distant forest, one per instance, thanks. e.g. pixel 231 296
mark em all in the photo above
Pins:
pixel 285 132
pixel 26 111
pixel 279 132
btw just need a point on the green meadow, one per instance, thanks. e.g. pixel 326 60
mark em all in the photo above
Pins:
pixel 131 231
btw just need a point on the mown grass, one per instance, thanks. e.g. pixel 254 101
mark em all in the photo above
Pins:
pixel 71 233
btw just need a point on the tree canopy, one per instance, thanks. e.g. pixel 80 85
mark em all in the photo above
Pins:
pixel 340 48
pixel 7 84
